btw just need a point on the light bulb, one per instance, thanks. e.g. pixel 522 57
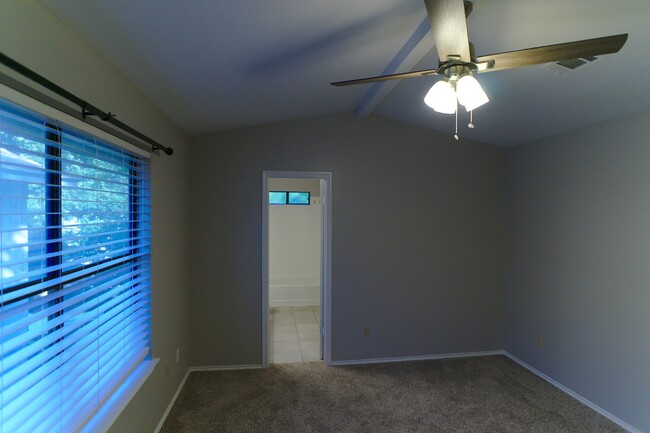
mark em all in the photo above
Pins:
pixel 470 93
pixel 441 97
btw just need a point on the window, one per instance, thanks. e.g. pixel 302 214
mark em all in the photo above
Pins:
pixel 75 277
pixel 289 197
pixel 276 197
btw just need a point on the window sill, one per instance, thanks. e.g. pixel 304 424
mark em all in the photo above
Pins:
pixel 102 421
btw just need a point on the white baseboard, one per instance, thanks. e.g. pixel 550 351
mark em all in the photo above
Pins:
pixel 171 403
pixel 533 370
pixel 206 368
pixel 294 303
pixel 418 358
pixel 226 367
pixel 573 394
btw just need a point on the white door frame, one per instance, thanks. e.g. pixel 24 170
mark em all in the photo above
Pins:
pixel 326 257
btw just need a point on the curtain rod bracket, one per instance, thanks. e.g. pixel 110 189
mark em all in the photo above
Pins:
pixel 105 118
pixel 86 108
pixel 167 150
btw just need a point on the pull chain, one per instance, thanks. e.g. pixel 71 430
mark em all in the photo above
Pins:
pixel 456 134
pixel 471 120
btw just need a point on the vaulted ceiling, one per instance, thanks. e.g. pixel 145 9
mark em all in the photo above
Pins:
pixel 213 65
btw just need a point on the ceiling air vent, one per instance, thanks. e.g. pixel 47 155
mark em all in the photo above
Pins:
pixel 572 63
pixel 566 66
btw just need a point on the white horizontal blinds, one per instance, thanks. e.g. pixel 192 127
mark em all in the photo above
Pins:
pixel 75 276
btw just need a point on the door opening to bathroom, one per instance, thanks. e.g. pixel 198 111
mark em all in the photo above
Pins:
pixel 296 267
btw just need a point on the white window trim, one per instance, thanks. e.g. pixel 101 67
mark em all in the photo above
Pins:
pixel 102 421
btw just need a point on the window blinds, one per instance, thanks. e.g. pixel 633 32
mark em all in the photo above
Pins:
pixel 75 278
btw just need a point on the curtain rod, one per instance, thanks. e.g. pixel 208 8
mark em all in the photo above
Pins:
pixel 87 109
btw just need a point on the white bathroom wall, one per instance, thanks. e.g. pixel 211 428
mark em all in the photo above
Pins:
pixel 291 184
pixel 294 247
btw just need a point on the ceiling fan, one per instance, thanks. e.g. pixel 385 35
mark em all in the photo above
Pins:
pixel 457 61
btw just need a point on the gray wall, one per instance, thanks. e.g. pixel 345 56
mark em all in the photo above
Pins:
pixel 578 262
pixel 33 36
pixel 417 234
pixel 418 230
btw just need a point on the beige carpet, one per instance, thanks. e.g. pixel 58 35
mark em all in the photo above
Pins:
pixel 483 394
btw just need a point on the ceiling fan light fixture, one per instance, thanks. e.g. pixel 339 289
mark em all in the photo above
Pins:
pixel 442 97
pixel 457 59
pixel 470 93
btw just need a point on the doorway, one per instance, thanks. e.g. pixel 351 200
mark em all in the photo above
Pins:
pixel 296 266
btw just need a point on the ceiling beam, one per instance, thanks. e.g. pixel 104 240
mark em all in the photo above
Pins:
pixel 413 51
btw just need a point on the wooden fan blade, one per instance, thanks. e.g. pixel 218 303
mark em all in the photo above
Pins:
pixel 412 74
pixel 447 18
pixel 554 53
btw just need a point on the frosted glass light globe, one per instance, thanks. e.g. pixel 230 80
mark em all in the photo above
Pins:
pixel 441 97
pixel 470 93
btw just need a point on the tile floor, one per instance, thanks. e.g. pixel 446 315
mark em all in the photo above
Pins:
pixel 294 334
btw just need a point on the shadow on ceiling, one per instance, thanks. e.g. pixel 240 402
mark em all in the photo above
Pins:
pixel 280 61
